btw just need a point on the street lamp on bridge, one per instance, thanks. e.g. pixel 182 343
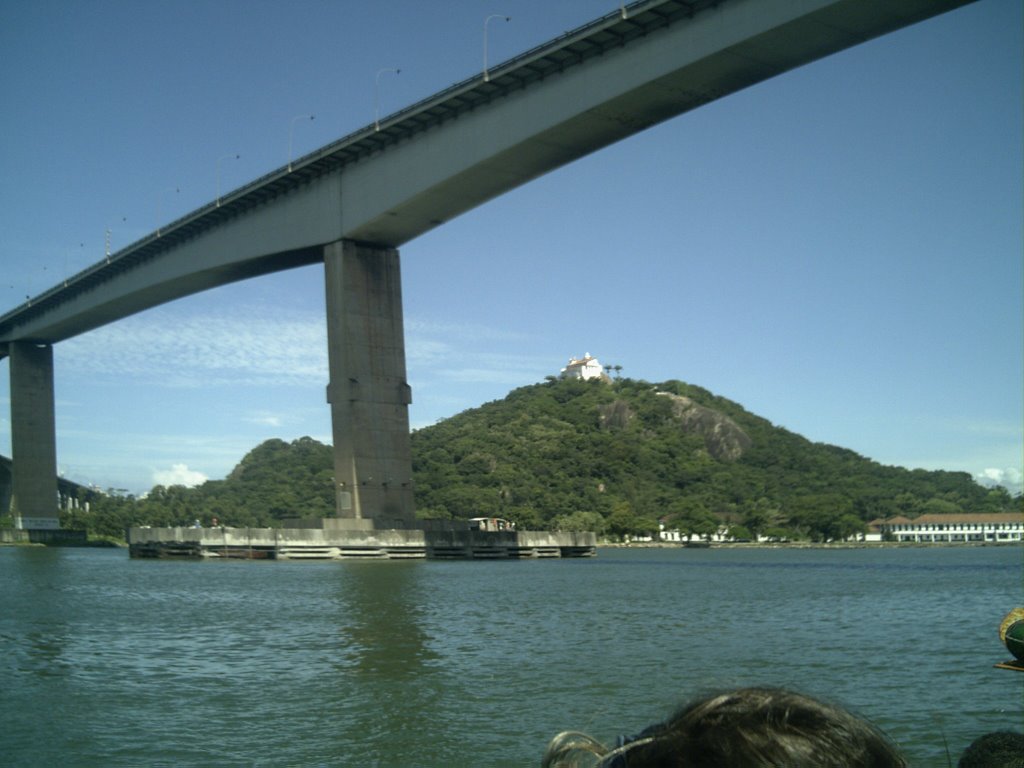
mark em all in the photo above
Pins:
pixel 487 76
pixel 106 246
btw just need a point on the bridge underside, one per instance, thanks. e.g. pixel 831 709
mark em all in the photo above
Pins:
pixel 468 144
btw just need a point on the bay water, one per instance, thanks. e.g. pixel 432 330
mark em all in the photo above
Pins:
pixel 108 661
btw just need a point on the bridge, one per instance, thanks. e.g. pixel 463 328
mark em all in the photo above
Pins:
pixel 70 494
pixel 352 203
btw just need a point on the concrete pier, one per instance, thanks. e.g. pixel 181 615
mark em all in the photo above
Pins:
pixel 334 539
pixel 368 392
pixel 6 486
pixel 33 437
pixel 49 537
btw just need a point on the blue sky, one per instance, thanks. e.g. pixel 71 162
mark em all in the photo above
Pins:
pixel 838 249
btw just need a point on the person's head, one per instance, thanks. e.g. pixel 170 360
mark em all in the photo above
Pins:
pixel 1000 749
pixel 746 728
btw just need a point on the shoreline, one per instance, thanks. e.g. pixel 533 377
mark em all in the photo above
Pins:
pixel 807 545
pixel 108 543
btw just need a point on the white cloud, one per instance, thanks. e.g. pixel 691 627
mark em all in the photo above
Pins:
pixel 499 374
pixel 460 331
pixel 179 474
pixel 994 428
pixel 470 354
pixel 421 351
pixel 265 419
pixel 162 347
pixel 240 349
pixel 1010 478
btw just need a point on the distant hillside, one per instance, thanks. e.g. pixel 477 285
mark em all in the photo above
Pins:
pixel 619 457
pixel 587 455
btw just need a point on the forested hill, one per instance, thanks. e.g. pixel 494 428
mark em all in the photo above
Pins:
pixel 615 457
pixel 620 456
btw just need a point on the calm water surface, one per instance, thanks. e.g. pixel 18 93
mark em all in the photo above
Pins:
pixel 117 662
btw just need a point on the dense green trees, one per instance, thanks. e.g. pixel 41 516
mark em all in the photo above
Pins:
pixel 275 480
pixel 619 457
pixel 615 458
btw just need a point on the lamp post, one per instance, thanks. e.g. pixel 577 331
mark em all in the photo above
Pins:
pixel 219 159
pixel 487 76
pixel 291 132
pixel 376 95
pixel 107 239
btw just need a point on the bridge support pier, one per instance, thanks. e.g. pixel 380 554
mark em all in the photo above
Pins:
pixel 5 487
pixel 33 437
pixel 368 392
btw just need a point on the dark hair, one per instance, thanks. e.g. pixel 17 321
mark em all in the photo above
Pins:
pixel 750 728
pixel 1000 749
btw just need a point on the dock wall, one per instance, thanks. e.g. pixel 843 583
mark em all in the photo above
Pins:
pixel 355 543
pixel 42 536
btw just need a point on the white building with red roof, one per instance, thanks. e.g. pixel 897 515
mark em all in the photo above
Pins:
pixel 586 367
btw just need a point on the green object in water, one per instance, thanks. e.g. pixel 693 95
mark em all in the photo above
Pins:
pixel 1011 632
pixel 1014 639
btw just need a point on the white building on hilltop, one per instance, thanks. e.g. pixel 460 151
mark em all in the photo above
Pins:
pixel 586 367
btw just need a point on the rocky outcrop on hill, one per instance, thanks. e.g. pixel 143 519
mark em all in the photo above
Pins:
pixel 615 415
pixel 723 437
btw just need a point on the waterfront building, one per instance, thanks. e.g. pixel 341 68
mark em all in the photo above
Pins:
pixel 977 528
pixel 675 535
pixel 981 527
